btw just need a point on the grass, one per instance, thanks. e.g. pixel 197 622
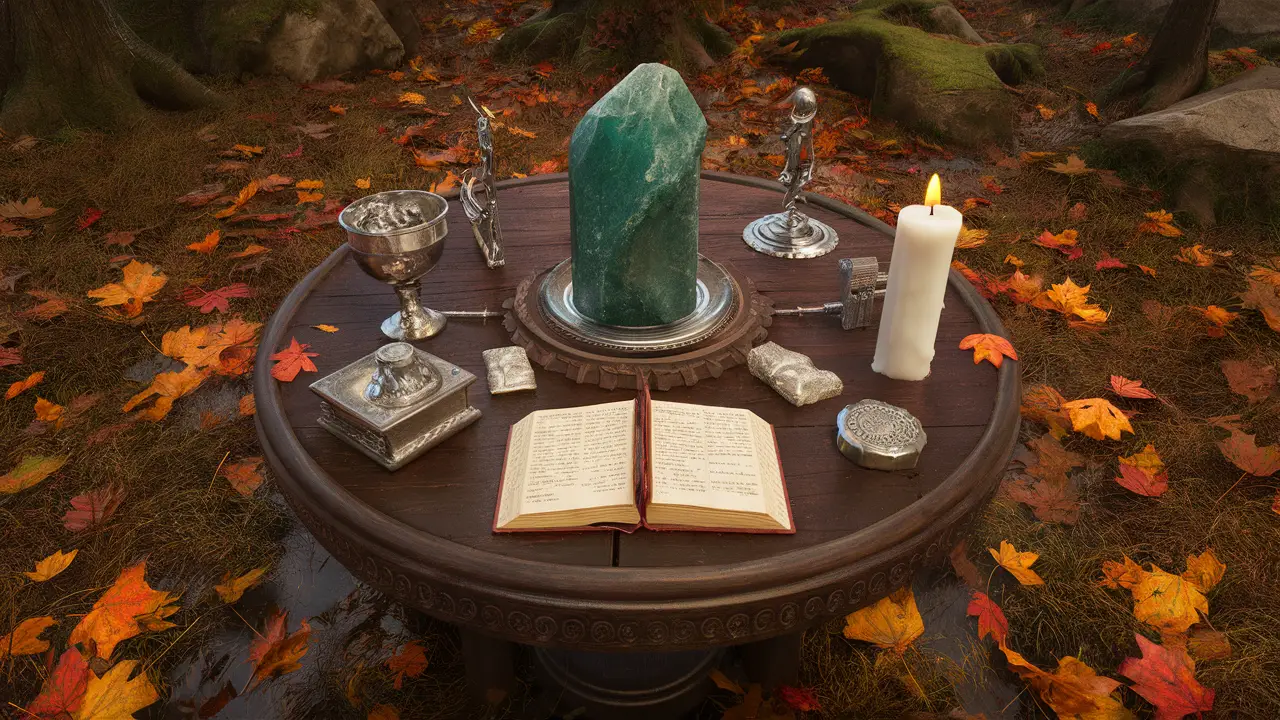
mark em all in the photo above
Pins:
pixel 191 527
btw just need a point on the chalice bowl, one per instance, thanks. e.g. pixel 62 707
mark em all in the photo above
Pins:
pixel 397 237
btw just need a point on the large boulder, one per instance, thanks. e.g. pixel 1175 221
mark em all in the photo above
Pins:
pixel 1236 20
pixel 338 36
pixel 1218 147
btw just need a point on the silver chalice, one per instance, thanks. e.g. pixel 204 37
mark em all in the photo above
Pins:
pixel 397 237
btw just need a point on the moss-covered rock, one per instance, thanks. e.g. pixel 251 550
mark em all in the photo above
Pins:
pixel 931 82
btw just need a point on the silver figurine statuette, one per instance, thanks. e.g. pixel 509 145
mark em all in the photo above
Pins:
pixel 483 214
pixel 861 282
pixel 396 403
pixel 792 374
pixel 879 436
pixel 791 233
pixel 397 237
pixel 509 370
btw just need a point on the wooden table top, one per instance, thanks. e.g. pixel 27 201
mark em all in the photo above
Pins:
pixel 433 517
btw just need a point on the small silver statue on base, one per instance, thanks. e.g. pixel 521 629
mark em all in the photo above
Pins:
pixel 483 215
pixel 791 233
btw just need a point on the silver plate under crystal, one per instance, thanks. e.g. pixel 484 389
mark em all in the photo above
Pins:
pixel 719 298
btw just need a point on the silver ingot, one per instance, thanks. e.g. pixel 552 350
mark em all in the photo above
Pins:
pixel 396 403
pixel 397 237
pixel 718 299
pixel 861 282
pixel 792 374
pixel 879 436
pixel 483 214
pixel 791 233
pixel 509 370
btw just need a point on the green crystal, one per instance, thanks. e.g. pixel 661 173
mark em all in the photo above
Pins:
pixel 633 201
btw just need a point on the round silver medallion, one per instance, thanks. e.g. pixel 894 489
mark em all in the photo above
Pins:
pixel 879 436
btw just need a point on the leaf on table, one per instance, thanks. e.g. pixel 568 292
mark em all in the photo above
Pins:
pixel 231 589
pixel 243 475
pixel 1253 380
pixel 991 619
pixel 1166 678
pixel 1242 450
pixel 30 470
pixel 1159 222
pixel 29 209
pixel 893 622
pixel 992 348
pixel 20 386
pixel 25 638
pixel 1262 297
pixel 1204 571
pixel 208 244
pixel 129 607
pixel 168 387
pixel 115 696
pixel 210 300
pixel 275 652
pixel 292 360
pixel 1144 473
pixel 1097 418
pixel 724 682
pixel 1074 690
pixel 62 693
pixel 1017 563
pixel 410 660
pixel 93 508
pixel 139 284
pixel 326 328
pixel 1044 404
pixel 1124 387
pixel 47 568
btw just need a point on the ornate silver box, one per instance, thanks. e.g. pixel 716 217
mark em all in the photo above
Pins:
pixel 880 436
pixel 396 403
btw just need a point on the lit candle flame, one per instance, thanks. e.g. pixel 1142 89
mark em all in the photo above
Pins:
pixel 933 195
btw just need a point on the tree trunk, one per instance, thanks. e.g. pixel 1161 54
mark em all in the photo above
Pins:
pixel 1177 62
pixel 612 32
pixel 75 62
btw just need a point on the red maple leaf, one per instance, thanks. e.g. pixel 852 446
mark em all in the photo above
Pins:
pixel 1109 262
pixel 1242 450
pixel 801 699
pixel 63 691
pixel 1132 478
pixel 211 300
pixel 292 360
pixel 991 618
pixel 1166 678
pixel 10 356
pixel 410 660
pixel 1124 387
pixel 87 218
pixel 92 508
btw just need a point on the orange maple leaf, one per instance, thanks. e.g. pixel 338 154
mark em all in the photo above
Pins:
pixel 169 386
pixel 1161 223
pixel 115 695
pixel 231 589
pixel 1097 418
pixel 992 348
pixel 208 244
pixel 1043 403
pixel 129 607
pixel 47 568
pixel 292 360
pixel 1070 299
pixel 1017 563
pixel 1200 256
pixel 408 661
pixel 1073 690
pixel 21 386
pixel 25 638
pixel 894 622
pixel 275 653
pixel 243 475
pixel 245 195
pixel 139 285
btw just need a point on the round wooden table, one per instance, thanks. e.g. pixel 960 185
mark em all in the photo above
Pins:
pixel 423 534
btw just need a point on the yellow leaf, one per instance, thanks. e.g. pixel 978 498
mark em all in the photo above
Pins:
pixel 413 98
pixel 1160 223
pixel 1125 575
pixel 1074 691
pixel 1073 166
pixel 1013 260
pixel 51 566
pixel 248 150
pixel 49 412
pixel 364 183
pixel 169 386
pixel 208 244
pixel 970 238
pixel 309 197
pixel 326 328
pixel 25 639
pixel 1148 460
pixel 245 195
pixel 114 696
pixel 1204 570
pixel 21 386
pixel 337 110
pixel 1097 418
pixel 309 184
pixel 139 285
pixel 1092 109
pixel 1168 602
pixel 1046 113
pixel 892 623
pixel 231 589
pixel 1017 563
pixel 1070 299
pixel 30 471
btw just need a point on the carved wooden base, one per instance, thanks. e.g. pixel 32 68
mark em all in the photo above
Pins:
pixel 583 363
pixel 630 686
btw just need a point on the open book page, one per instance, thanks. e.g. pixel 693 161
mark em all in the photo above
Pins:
pixel 570 459
pixel 717 458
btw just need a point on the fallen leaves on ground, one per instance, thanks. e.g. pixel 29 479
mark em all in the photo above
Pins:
pixel 1074 690
pixel 115 696
pixel 62 693
pixel 1097 418
pixel 223 348
pixel 1170 603
pixel 970 238
pixel 410 660
pixel 1017 563
pixel 1124 387
pixel 1253 380
pixel 275 652
pixel 29 209
pixel 1242 450
pixel 1064 242
pixel 1073 166
pixel 292 360
pixel 1262 297
pixel 1044 404
pixel 92 508
pixel 1071 300
pixel 992 348
pixel 210 300
pixel 208 244
pixel 893 622
pixel 129 607
pixel 1200 256
pixel 50 566
pixel 243 475
pixel 29 471
pixel 244 196
pixel 801 699
pixel 991 619
pixel 1160 222
pixel 1144 473
pixel 1166 678
pixel 49 412
pixel 230 589
pixel 25 638
pixel 167 387
pixel 139 285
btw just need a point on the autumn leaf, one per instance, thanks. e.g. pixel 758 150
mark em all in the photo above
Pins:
pixel 208 244
pixel 1166 679
pixel 25 638
pixel 1023 288
pixel 275 652
pixel 292 360
pixel 893 622
pixel 226 349
pixel 92 508
pixel 408 661
pixel 123 238
pixel 1262 297
pixel 211 300
pixel 1168 602
pixel 1046 113
pixel 383 712
pixel 970 238
pixel 305 197
pixel 337 110
pixel 1199 256
pixel 248 150
pixel 326 328
pixel 1267 273
pixel 244 196
pixel 1108 263
pixel 249 251
pixel 1044 404
pixel 1065 242
pixel 1243 451
pixel 1074 690
pixel 801 699
pixel 1073 166
pixel 309 184
pixel 8 229
pixel 168 386
pixel 1254 381
pixel 21 386
pixel 1204 571
pixel 274 182
pixel 125 610
pixel 1017 563
pixel 1206 644
pixel 243 475
pixel 1050 500
pixel 248 406
pixel 992 348
pixel 1124 387
pixel 1144 473
pixel 63 691
pixel 364 183
pixel 991 619
pixel 49 412
pixel 1097 418
pixel 1053 461
pixel 412 98
pixel 114 696
pixel 203 195
pixel 1125 574
pixel 230 589
pixel 29 209
pixel 45 311
pixel 30 470
pixel 139 285
pixel 1092 109
pixel 1160 222
pixel 1071 299
pixel 47 568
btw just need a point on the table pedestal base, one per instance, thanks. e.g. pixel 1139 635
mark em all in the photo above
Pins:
pixel 627 686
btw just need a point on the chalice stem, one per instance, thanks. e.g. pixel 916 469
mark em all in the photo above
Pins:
pixel 416 321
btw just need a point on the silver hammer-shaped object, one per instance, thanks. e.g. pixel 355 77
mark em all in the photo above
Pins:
pixel 861 283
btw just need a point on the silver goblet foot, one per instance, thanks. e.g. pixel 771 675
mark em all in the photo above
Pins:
pixel 790 235
pixel 413 322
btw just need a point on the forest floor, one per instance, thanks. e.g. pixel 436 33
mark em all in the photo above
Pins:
pixel 173 481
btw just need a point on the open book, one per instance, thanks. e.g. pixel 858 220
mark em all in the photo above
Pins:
pixel 661 465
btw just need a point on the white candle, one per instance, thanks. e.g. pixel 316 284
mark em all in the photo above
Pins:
pixel 918 272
